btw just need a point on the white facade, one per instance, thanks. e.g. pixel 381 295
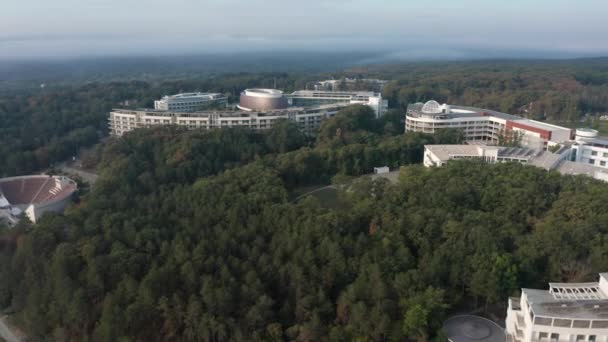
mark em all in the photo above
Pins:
pixel 590 149
pixel 305 98
pixel 308 119
pixel 189 102
pixel 566 312
pixel 334 85
pixel 482 125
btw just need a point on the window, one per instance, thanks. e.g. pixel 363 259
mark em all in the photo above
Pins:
pixel 554 337
pixel 591 338
pixel 605 154
pixel 580 338
pixel 603 163
pixel 591 161
pixel 594 153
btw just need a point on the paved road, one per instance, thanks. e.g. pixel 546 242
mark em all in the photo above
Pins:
pixel 6 333
pixel 88 177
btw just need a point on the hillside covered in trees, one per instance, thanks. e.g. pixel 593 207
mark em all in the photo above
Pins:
pixel 191 235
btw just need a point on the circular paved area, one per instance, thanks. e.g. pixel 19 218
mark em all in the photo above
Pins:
pixel 468 328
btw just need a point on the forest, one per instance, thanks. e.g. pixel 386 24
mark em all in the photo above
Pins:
pixel 193 235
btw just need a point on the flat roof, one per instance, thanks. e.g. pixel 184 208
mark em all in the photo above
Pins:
pixel 463 112
pixel 544 303
pixel 543 125
pixel 444 152
pixel 578 168
pixel 192 95
pixel 237 111
pixel 334 93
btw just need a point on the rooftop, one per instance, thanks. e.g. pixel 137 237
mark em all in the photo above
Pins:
pixel 544 125
pixel 574 168
pixel 571 300
pixel 183 96
pixel 452 112
pixel 332 93
pixel 445 152
pixel 263 92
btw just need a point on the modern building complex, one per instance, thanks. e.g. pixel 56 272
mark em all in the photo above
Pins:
pixel 308 119
pixel 306 98
pixel 190 102
pixel 572 312
pixel 485 126
pixel 34 196
pixel 589 148
pixel 439 155
pixel 262 100
pixel 257 109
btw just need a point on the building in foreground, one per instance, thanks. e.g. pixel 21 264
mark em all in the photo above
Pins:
pixel 439 155
pixel 484 126
pixel 190 102
pixel 590 148
pixel 307 98
pixel 568 312
pixel 308 119
pixel 34 196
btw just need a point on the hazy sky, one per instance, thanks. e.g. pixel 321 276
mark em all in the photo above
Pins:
pixel 119 27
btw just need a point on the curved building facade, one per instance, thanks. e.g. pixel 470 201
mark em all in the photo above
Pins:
pixel 34 196
pixel 307 119
pixel 262 100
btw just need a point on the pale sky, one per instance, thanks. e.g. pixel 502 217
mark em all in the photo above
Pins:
pixel 154 27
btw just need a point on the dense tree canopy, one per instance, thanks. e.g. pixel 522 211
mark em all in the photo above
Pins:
pixel 191 235
pixel 195 235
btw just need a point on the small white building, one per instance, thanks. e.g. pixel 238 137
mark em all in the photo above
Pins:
pixel 381 170
pixel 567 312
pixel 589 148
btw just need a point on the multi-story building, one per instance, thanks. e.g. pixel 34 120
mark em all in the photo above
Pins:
pixel 440 155
pixel 306 98
pixel 308 119
pixel 348 83
pixel 485 126
pixel 567 312
pixel 190 102
pixel 589 148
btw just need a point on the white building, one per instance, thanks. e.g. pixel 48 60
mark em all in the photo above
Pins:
pixel 189 102
pixel 307 98
pixel 308 119
pixel 485 126
pixel 589 148
pixel 346 83
pixel 440 155
pixel 572 312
